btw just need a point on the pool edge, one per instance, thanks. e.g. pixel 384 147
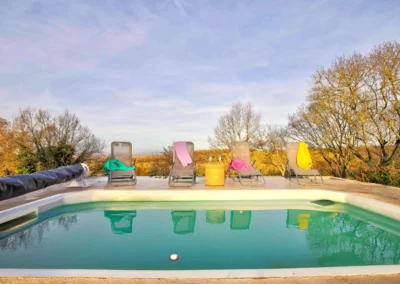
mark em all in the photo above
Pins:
pixel 228 273
pixel 95 195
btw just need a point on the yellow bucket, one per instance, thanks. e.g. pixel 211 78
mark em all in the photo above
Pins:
pixel 215 174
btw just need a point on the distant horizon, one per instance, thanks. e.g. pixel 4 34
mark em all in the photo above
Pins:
pixel 154 72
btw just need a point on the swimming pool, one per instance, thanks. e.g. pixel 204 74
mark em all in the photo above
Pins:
pixel 211 234
pixel 142 236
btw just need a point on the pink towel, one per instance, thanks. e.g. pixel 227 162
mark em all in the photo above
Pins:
pixel 238 164
pixel 182 153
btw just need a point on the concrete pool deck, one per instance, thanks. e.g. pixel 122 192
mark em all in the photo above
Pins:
pixel 373 191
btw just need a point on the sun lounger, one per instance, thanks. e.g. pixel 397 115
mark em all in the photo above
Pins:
pixel 119 168
pixel 241 156
pixel 183 170
pixel 294 169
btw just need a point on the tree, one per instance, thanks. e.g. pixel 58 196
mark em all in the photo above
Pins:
pixel 368 86
pixel 54 141
pixel 8 149
pixel 274 140
pixel 240 124
pixel 354 110
pixel 322 129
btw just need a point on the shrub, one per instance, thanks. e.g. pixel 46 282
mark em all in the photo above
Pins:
pixel 383 175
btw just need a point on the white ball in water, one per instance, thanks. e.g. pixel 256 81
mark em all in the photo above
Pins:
pixel 174 257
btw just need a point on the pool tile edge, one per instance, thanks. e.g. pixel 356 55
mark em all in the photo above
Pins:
pixel 234 273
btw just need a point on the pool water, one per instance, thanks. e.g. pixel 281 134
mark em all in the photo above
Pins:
pixel 205 235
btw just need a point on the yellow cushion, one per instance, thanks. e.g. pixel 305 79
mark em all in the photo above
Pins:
pixel 303 157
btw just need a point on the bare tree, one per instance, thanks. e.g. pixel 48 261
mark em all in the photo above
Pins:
pixel 369 87
pixel 55 141
pixel 354 110
pixel 274 141
pixel 381 102
pixel 240 124
pixel 325 131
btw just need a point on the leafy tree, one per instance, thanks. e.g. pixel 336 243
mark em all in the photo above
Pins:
pixel 53 141
pixel 28 163
pixel 240 124
pixel 56 156
pixel 8 149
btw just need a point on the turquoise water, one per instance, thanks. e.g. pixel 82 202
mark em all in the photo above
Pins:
pixel 208 235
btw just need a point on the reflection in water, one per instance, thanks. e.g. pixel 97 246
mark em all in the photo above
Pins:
pixel 215 216
pixel 121 221
pixel 240 219
pixel 349 240
pixel 184 221
pixel 296 218
pixel 34 234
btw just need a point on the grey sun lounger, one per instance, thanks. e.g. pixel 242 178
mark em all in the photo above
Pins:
pixel 294 169
pixel 122 151
pixel 241 150
pixel 181 175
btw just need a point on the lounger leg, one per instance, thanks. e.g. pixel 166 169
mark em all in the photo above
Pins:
pixel 173 181
pixel 263 181
pixel 240 179
pixel 289 173
pixel 169 180
pixel 257 180
pixel 297 178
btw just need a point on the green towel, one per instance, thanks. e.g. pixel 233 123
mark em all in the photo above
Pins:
pixel 116 165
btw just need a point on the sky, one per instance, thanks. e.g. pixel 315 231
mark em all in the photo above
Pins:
pixel 154 72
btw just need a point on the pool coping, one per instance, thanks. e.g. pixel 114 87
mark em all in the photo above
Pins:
pixel 226 273
pixel 95 195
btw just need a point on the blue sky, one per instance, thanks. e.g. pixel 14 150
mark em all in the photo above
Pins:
pixel 154 72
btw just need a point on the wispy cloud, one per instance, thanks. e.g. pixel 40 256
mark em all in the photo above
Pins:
pixel 154 72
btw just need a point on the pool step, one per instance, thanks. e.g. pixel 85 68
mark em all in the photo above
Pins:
pixel 323 202
pixel 19 220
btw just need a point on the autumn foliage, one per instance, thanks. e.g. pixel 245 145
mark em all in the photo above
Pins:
pixel 9 162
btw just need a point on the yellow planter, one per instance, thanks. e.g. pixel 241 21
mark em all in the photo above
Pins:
pixel 215 174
